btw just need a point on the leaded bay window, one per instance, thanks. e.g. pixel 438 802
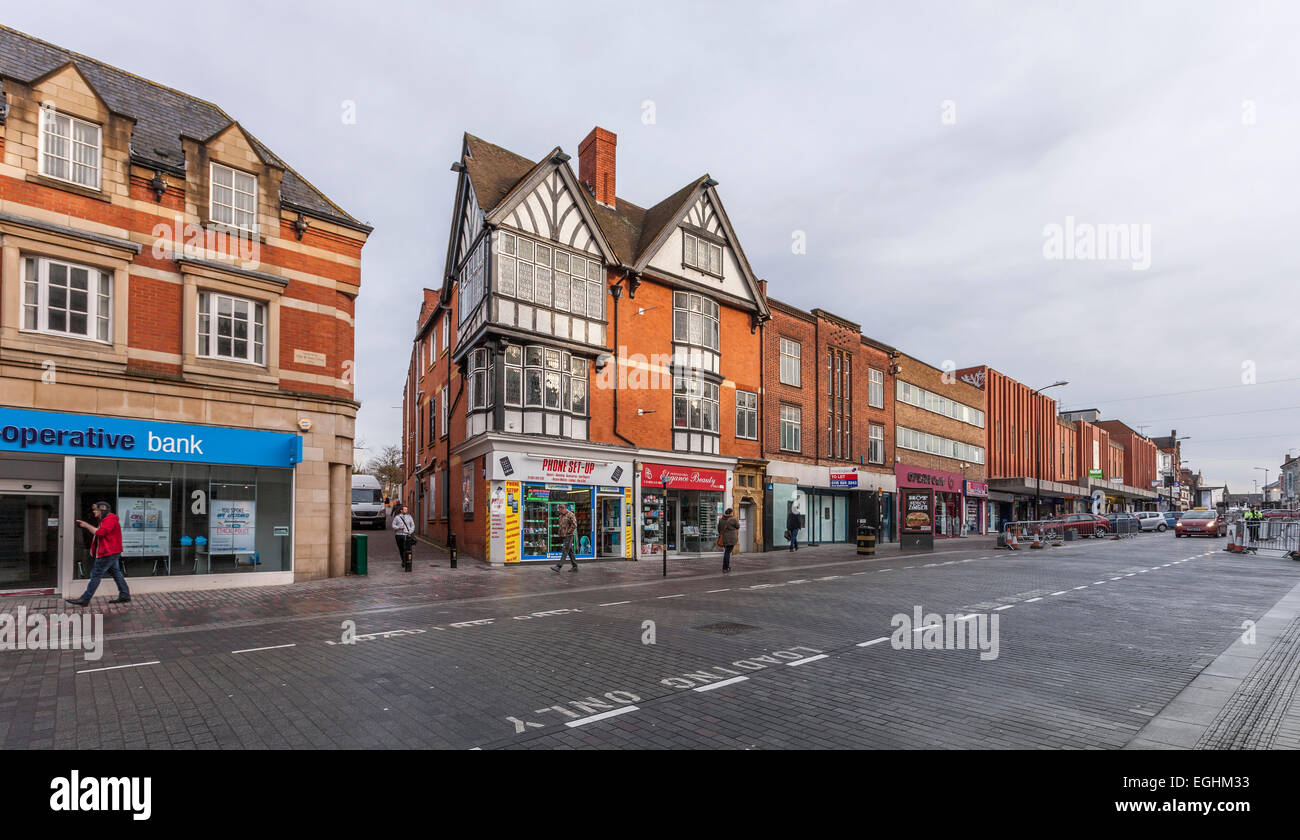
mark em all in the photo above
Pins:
pixel 67 299
pixel 70 149
pixel 695 404
pixel 696 332
pixel 233 198
pixel 700 253
pixel 481 379
pixel 544 377
pixel 549 276
pixel 231 328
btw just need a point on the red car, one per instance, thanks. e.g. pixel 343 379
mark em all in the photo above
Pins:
pixel 1082 524
pixel 1201 523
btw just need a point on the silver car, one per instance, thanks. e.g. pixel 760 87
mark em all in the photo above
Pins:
pixel 1152 520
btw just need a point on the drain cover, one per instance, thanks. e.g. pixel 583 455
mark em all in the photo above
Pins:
pixel 727 628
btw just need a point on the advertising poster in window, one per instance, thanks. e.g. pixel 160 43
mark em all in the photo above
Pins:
pixel 916 512
pixel 627 520
pixel 230 529
pixel 512 504
pixel 146 526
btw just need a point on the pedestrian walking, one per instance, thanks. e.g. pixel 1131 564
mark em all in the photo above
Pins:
pixel 728 536
pixel 793 523
pixel 567 525
pixel 404 531
pixel 107 551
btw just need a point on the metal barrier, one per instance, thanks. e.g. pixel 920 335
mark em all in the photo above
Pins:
pixel 1277 535
pixel 1039 533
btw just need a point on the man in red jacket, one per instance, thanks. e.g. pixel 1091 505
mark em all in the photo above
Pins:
pixel 107 548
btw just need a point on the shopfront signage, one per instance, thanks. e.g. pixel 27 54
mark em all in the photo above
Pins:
pixel 559 471
pixel 921 477
pixel 87 435
pixel 916 512
pixel 844 479
pixel 682 478
pixel 976 488
pixel 1095 474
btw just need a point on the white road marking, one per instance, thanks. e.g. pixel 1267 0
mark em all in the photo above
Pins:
pixel 615 603
pixel 593 718
pixel 272 647
pixel 1062 592
pixel 661 597
pixel 1114 578
pixel 968 617
pixel 711 591
pixel 712 686
pixel 1003 607
pixel 115 667
pixel 808 659
pixel 1085 586
pixel 1032 600
pixel 1143 571
pixel 1130 574
pixel 884 570
pixel 1098 582
pixel 873 642
pixel 859 573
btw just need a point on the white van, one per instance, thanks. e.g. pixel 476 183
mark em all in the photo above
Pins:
pixel 368 502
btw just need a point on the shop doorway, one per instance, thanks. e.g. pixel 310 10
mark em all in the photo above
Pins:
pixel 609 511
pixel 746 516
pixel 29 541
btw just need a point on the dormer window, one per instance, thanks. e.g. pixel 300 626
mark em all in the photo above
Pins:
pixel 702 254
pixel 70 149
pixel 233 198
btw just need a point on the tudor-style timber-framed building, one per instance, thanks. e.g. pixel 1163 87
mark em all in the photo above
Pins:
pixel 595 354
pixel 176 337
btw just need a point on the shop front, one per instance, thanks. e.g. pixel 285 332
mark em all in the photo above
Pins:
pixel 976 503
pixel 680 506
pixel 528 494
pixel 198 505
pixel 998 506
pixel 832 500
pixel 947 506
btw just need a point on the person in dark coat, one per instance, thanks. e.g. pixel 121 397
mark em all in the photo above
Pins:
pixel 728 535
pixel 793 523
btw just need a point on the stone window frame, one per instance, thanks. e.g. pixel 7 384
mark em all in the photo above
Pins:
pixel 44 114
pixel 197 278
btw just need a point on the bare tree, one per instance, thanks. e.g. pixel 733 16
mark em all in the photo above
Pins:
pixel 387 467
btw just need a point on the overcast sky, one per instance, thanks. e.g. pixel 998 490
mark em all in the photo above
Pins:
pixel 921 148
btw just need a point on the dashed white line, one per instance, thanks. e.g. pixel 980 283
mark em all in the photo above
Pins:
pixel 1032 600
pixel 873 642
pixel 1098 582
pixel 661 597
pixel 712 686
pixel 615 603
pixel 115 667
pixel 1130 574
pixel 1115 578
pixel 808 659
pixel 1062 592
pixel 1003 607
pixel 711 591
pixel 1085 586
pixel 272 647
pixel 593 718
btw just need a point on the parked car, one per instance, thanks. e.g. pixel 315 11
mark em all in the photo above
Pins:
pixel 1201 523
pixel 1171 517
pixel 1124 523
pixel 1082 524
pixel 1151 520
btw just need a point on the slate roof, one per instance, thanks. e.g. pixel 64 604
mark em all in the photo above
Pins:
pixel 162 115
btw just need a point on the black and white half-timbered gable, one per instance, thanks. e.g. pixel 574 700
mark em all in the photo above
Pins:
pixel 528 263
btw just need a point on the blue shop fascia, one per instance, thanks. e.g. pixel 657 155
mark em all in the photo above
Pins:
pixel 194 501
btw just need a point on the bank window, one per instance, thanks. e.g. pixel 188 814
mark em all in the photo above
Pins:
pixel 875 388
pixel 696 321
pixel 791 428
pixel 70 149
pixel 747 415
pixel 231 328
pixel 233 197
pixel 67 299
pixel 695 404
pixel 791 352
pixel 876 450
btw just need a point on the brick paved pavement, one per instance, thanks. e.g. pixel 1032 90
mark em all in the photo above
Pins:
pixel 1096 638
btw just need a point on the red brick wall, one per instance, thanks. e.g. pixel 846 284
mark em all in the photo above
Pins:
pixel 932 379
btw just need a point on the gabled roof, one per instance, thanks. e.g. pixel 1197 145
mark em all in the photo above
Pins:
pixel 162 116
pixel 493 171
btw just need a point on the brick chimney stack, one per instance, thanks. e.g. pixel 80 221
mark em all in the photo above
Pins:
pixel 596 164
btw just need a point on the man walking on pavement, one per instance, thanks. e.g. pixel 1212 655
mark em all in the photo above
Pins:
pixel 107 551
pixel 728 536
pixel 793 522
pixel 567 525
pixel 404 529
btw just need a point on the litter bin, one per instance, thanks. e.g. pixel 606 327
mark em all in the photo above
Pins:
pixel 360 553
pixel 1069 535
pixel 866 540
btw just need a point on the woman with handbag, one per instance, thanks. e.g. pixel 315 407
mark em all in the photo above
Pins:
pixel 728 536
pixel 404 528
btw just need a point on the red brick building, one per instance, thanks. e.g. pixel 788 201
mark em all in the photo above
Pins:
pixel 603 356
pixel 167 279
pixel 828 406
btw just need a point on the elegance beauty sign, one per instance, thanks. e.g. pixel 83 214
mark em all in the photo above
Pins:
pixel 682 478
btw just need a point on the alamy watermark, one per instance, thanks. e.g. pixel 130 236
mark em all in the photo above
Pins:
pixel 1086 241
pixel 972 631
pixel 53 631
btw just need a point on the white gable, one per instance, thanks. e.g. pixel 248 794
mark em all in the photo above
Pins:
pixel 551 212
pixel 669 259
pixel 467 226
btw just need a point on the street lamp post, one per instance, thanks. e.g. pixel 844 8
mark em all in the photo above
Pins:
pixel 1265 469
pixel 1038 454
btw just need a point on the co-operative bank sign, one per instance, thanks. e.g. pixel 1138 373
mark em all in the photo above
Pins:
pixel 49 433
